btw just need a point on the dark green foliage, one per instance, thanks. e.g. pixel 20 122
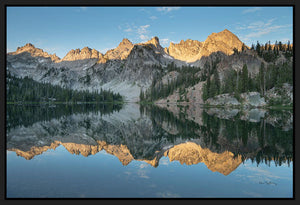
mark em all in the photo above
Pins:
pixel 245 80
pixel 276 75
pixel 269 76
pixel 187 77
pixel 142 96
pixel 235 51
pixel 262 80
pixel 234 83
pixel 244 47
pixel 214 88
pixel 28 90
pixel 205 90
pixel 271 55
pixel 258 48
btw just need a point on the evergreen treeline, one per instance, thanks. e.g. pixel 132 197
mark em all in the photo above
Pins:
pixel 187 77
pixel 237 82
pixel 271 52
pixel 28 90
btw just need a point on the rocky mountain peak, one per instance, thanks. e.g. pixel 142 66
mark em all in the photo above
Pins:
pixel 26 47
pixel 155 44
pixel 84 53
pixel 154 41
pixel 222 35
pixel 188 50
pixel 86 49
pixel 35 52
pixel 224 41
pixel 121 52
pixel 125 41
pixel 55 58
pixel 192 50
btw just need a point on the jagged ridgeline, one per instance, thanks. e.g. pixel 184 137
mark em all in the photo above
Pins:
pixel 221 68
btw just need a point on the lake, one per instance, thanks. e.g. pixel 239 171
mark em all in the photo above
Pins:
pixel 135 151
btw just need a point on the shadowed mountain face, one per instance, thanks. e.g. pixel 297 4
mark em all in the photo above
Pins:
pixel 149 133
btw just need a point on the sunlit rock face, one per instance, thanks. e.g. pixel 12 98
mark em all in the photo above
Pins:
pixel 121 52
pixel 193 50
pixel 34 52
pixel 188 50
pixel 224 41
pixel 85 53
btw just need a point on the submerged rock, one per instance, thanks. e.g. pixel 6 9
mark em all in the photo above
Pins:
pixel 253 99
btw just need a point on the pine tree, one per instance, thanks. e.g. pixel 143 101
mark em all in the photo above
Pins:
pixel 288 46
pixel 258 49
pixel 217 82
pixel 206 88
pixel 142 97
pixel 244 47
pixel 245 79
pixel 262 78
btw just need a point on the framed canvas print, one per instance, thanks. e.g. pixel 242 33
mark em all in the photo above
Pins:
pixel 154 101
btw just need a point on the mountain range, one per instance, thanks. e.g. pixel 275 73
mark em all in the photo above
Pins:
pixel 131 68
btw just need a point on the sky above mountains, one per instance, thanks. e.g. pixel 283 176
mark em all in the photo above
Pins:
pixel 60 29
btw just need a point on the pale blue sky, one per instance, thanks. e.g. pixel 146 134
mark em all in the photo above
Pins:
pixel 60 29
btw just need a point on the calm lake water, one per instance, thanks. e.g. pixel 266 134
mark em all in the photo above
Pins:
pixel 148 151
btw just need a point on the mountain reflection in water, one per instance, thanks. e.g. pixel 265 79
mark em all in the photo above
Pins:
pixel 221 139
